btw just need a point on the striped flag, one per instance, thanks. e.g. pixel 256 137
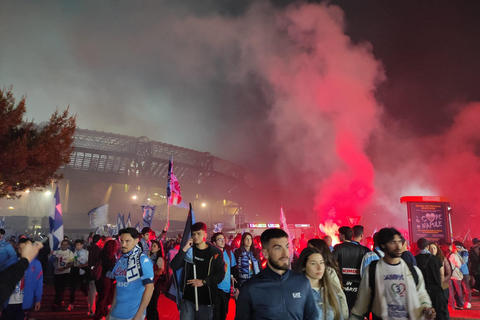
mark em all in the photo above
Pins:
pixel 148 212
pixel 137 226
pixel 128 224
pixel 174 293
pixel 284 226
pixel 98 216
pixel 120 222
pixel 56 222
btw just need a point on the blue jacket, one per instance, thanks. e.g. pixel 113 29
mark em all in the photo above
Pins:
pixel 8 256
pixel 269 295
pixel 33 285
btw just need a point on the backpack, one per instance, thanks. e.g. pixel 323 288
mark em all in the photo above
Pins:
pixel 371 280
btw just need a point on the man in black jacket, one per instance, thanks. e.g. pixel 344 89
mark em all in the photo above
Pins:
pixel 276 292
pixel 349 255
pixel 207 260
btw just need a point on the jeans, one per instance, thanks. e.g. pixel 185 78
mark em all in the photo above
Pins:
pixel 466 288
pixel 456 293
pixel 187 311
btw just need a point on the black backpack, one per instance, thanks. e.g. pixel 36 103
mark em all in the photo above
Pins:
pixel 371 280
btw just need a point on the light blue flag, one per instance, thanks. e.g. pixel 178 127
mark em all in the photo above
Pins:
pixel 128 224
pixel 120 222
pixel 148 212
pixel 137 226
pixel 98 216
pixel 2 223
pixel 56 222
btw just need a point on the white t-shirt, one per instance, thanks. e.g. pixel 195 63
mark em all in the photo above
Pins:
pixel 80 257
pixel 395 295
pixel 17 295
pixel 61 260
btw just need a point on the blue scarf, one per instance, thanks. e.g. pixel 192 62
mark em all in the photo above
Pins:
pixel 134 267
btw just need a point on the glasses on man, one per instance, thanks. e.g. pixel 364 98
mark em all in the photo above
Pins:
pixel 221 239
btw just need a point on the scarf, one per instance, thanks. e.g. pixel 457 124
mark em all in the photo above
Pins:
pixel 414 307
pixel 244 264
pixel 134 267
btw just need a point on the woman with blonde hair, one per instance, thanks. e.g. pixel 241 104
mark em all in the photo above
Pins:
pixel 312 264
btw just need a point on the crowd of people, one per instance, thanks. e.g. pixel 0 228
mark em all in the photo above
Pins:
pixel 269 276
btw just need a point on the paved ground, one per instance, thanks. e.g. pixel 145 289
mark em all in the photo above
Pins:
pixel 168 310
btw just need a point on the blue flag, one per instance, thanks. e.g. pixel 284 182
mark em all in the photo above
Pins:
pixel 56 222
pixel 2 223
pixel 148 212
pixel 176 295
pixel 128 224
pixel 137 226
pixel 120 222
pixel 98 216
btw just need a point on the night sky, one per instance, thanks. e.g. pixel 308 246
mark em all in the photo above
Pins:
pixel 338 108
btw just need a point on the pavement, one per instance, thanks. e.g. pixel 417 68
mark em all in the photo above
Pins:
pixel 168 310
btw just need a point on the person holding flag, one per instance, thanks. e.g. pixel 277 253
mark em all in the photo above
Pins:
pixel 201 276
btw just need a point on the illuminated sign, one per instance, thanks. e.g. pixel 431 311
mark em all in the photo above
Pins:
pixel 274 225
pixel 257 225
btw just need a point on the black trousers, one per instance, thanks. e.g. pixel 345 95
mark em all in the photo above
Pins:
pixel 60 282
pixel 152 311
pixel 77 280
pixel 15 312
pixel 220 305
pixel 106 290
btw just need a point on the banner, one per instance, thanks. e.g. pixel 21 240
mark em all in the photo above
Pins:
pixel 120 222
pixel 284 226
pixel 98 216
pixel 218 227
pixel 148 212
pixel 174 293
pixel 56 222
pixel 128 224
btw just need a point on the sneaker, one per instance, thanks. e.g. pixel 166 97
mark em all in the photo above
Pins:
pixel 467 305
pixel 70 307
pixel 458 308
pixel 475 290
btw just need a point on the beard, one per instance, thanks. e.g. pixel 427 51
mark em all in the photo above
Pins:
pixel 393 253
pixel 278 264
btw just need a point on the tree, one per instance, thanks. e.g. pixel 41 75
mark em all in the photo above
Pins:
pixel 30 155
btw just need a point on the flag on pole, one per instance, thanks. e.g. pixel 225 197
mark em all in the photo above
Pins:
pixel 137 226
pixel 148 212
pixel 174 194
pixel 128 224
pixel 56 222
pixel 217 227
pixel 120 222
pixel 98 216
pixel 284 226
pixel 176 294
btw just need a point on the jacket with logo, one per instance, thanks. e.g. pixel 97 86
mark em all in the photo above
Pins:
pixel 269 295
pixel 216 270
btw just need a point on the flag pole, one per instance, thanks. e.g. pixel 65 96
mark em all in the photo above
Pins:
pixel 194 270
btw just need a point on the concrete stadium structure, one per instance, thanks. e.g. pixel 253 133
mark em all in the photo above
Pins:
pixel 127 172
